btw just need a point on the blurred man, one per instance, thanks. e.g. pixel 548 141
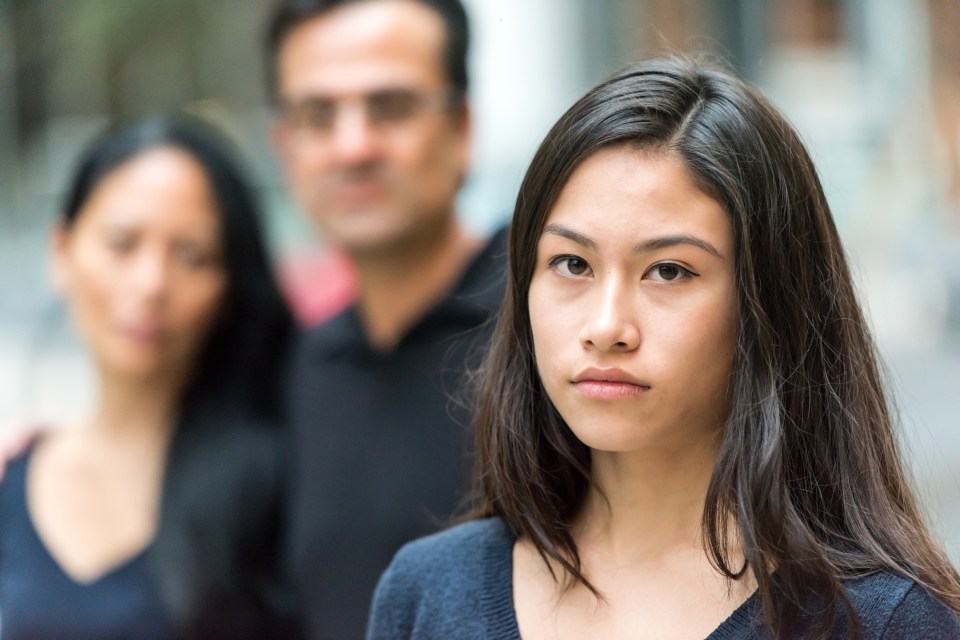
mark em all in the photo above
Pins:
pixel 373 132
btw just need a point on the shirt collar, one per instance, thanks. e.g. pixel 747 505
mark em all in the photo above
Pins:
pixel 475 298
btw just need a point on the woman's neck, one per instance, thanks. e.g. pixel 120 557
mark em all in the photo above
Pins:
pixel 135 410
pixel 95 492
pixel 646 506
pixel 640 546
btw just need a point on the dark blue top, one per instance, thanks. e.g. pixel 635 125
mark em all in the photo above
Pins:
pixel 39 600
pixel 459 584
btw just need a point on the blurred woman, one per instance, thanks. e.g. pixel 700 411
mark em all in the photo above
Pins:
pixel 159 515
pixel 682 427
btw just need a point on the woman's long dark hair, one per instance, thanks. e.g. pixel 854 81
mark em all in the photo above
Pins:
pixel 215 556
pixel 809 476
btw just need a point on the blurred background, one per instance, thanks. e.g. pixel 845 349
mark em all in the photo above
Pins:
pixel 873 86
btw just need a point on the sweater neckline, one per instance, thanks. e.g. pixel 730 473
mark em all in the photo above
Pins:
pixel 500 613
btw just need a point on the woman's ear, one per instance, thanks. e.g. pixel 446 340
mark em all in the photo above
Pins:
pixel 59 246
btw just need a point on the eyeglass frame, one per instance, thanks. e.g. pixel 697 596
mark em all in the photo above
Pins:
pixel 375 107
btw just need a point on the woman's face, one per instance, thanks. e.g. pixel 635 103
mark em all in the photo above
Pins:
pixel 633 305
pixel 142 265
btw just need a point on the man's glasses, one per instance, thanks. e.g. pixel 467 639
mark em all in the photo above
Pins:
pixel 385 109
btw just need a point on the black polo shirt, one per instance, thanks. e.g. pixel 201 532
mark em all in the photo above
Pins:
pixel 381 441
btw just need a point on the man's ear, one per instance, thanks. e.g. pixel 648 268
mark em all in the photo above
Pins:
pixel 463 117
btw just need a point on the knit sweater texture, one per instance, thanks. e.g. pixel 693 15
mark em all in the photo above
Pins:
pixel 458 584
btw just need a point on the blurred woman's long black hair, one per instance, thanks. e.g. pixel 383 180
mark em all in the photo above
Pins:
pixel 215 555
pixel 808 479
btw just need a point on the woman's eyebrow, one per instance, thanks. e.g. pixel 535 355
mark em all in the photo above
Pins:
pixel 570 234
pixel 671 241
pixel 649 245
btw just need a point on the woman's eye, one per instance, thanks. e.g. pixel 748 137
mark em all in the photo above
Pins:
pixel 119 243
pixel 669 272
pixel 570 266
pixel 192 257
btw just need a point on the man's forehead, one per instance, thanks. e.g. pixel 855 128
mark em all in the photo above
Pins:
pixel 362 47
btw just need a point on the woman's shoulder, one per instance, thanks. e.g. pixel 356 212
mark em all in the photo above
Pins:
pixel 460 549
pixel 892 606
pixel 450 584
pixel 14 474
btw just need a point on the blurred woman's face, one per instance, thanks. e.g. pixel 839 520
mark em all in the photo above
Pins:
pixel 142 265
pixel 633 304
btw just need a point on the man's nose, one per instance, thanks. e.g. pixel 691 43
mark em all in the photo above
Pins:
pixel 354 137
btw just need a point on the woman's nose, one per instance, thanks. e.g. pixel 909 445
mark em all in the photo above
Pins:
pixel 612 323
pixel 150 276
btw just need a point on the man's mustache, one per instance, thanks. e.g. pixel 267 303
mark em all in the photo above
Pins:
pixel 367 173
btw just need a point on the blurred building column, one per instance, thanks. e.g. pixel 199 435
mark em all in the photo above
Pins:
pixel 742 28
pixel 527 67
pixel 8 123
pixel 944 20
pixel 735 31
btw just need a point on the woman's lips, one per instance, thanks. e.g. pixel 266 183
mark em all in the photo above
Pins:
pixel 609 390
pixel 141 333
pixel 608 384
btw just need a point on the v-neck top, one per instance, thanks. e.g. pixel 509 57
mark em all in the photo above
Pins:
pixel 459 584
pixel 38 599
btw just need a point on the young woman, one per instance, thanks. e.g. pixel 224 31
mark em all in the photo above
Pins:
pixel 682 427
pixel 159 515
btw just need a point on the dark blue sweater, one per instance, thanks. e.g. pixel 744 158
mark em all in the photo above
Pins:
pixel 458 584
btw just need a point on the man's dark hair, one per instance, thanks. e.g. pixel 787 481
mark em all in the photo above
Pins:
pixel 290 14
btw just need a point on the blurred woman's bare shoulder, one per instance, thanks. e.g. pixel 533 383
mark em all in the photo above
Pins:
pixel 17 438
